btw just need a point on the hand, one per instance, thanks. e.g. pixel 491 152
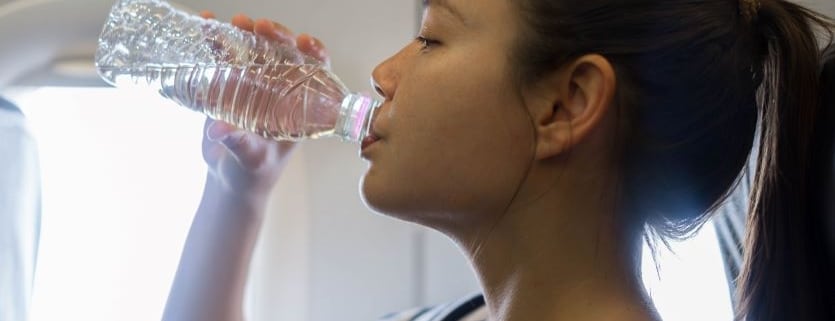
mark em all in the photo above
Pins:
pixel 243 164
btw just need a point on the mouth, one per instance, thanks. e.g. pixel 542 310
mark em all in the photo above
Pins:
pixel 367 142
pixel 372 135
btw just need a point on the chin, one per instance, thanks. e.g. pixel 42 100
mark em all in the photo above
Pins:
pixel 386 198
pixel 374 195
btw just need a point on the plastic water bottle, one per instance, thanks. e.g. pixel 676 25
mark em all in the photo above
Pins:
pixel 228 74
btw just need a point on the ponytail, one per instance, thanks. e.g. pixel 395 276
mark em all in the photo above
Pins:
pixel 787 274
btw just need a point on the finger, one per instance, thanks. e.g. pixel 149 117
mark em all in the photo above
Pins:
pixel 215 44
pixel 206 14
pixel 217 131
pixel 275 32
pixel 313 47
pixel 285 147
pixel 247 148
pixel 244 22
pixel 212 151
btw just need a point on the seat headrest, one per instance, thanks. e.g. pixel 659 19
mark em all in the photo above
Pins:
pixel 825 142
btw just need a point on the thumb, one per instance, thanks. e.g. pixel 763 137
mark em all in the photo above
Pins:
pixel 234 140
pixel 218 131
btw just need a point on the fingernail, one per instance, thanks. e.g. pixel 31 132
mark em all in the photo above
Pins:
pixel 233 141
pixel 216 133
pixel 228 141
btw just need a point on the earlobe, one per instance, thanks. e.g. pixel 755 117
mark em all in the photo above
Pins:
pixel 579 95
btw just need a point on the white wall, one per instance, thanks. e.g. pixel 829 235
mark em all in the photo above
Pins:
pixel 824 6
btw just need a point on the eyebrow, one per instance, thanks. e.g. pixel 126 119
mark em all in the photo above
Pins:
pixel 444 4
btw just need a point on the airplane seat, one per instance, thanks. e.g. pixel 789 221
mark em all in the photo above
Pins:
pixel 825 140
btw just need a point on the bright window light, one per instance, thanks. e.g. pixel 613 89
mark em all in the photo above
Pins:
pixel 690 284
pixel 122 174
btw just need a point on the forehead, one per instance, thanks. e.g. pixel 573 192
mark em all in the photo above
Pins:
pixel 446 6
pixel 474 12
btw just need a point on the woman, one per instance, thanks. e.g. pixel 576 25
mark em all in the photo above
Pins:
pixel 567 132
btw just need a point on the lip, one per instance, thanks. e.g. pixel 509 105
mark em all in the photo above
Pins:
pixel 373 135
pixel 369 140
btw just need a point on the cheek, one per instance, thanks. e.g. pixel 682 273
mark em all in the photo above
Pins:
pixel 458 139
pixel 462 148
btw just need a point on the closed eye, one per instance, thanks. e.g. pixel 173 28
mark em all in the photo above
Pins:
pixel 426 43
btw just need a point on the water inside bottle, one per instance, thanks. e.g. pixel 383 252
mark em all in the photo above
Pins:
pixel 284 102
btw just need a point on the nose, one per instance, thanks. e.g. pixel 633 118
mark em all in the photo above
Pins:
pixel 384 78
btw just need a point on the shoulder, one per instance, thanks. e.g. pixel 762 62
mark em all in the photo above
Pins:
pixel 469 308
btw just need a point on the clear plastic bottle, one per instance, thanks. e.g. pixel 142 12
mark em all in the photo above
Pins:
pixel 228 74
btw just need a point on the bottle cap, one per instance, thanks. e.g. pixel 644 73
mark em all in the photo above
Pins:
pixel 355 117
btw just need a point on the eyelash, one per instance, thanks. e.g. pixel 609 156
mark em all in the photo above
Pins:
pixel 426 43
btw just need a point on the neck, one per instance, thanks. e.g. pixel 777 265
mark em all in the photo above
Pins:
pixel 560 256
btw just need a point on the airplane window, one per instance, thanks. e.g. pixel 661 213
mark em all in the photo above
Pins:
pixel 122 177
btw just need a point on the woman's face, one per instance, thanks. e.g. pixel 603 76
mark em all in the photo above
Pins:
pixel 455 138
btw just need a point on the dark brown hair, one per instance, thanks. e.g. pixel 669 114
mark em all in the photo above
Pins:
pixel 701 86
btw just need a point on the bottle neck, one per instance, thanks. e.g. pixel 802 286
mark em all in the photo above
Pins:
pixel 355 115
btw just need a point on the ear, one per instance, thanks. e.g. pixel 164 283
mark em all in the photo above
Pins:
pixel 571 103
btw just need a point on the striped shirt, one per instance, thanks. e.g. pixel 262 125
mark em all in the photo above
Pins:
pixel 470 308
